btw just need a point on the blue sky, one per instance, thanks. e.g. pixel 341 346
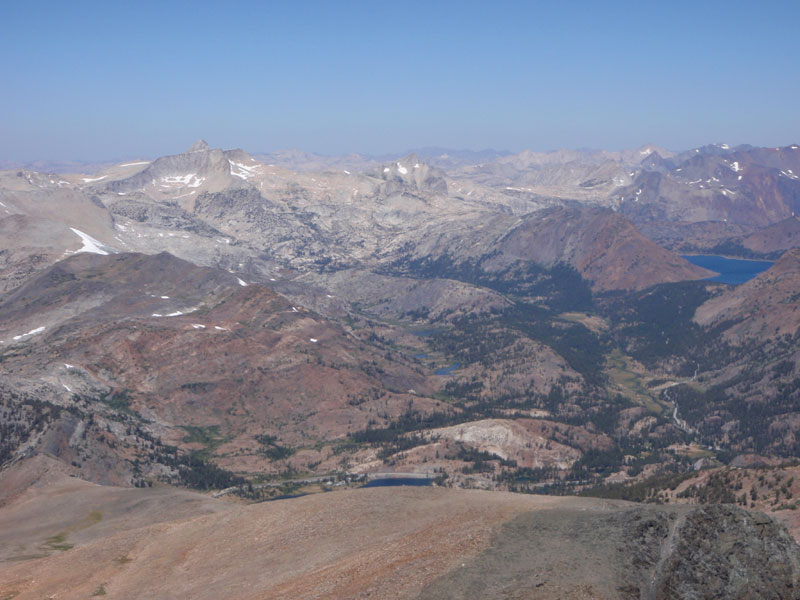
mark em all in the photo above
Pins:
pixel 99 80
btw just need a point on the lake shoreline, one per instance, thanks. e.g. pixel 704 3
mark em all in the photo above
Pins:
pixel 727 257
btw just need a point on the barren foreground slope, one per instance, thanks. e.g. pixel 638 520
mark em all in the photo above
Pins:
pixel 382 543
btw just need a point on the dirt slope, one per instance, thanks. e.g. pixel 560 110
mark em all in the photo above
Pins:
pixel 398 543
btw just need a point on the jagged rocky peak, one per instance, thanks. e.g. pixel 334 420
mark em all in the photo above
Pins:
pixel 198 169
pixel 645 150
pixel 197 162
pixel 199 146
pixel 633 158
pixel 410 170
pixel 218 155
pixel 404 168
pixel 655 162
pixel 716 149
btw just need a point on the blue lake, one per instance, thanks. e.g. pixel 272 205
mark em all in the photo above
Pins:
pixel 425 332
pixel 446 370
pixel 398 481
pixel 731 270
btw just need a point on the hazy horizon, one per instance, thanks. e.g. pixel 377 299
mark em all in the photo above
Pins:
pixel 381 156
pixel 91 81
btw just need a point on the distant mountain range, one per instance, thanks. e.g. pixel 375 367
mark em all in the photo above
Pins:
pixel 253 324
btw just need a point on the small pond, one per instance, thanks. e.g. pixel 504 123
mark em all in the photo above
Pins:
pixel 394 481
pixel 446 370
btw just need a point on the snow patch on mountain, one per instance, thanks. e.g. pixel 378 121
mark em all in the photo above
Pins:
pixel 89 243
pixel 30 333
pixel 242 171
pixel 190 179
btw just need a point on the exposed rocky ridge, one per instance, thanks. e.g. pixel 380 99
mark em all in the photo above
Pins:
pixel 756 186
pixel 601 245
pixel 299 220
pixel 223 208
pixel 755 482
pixel 410 172
pixel 199 169
pixel 659 190
pixel 161 215
pixel 711 552
pixel 529 442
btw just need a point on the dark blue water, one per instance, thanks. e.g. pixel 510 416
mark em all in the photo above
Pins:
pixel 421 356
pixel 731 270
pixel 398 481
pixel 425 332
pixel 446 370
